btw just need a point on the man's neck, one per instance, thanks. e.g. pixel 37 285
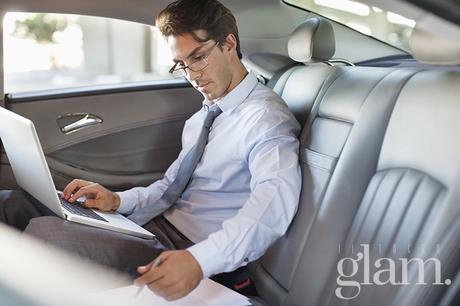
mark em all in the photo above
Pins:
pixel 238 76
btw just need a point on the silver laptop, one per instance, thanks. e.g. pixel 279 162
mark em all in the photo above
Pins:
pixel 26 157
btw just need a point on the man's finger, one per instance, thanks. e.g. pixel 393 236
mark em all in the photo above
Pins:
pixel 73 186
pixel 163 284
pixel 154 263
pixel 84 191
pixel 151 276
pixel 148 278
pixel 93 203
pixel 69 189
pixel 147 267
pixel 165 291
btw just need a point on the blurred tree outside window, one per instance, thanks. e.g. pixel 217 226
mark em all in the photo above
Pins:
pixel 40 27
pixel 51 51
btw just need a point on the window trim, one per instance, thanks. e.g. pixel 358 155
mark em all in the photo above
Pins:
pixel 95 90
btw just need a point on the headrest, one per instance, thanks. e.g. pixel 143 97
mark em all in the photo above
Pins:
pixel 431 49
pixel 312 41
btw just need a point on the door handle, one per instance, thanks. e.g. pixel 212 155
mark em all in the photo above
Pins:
pixel 86 120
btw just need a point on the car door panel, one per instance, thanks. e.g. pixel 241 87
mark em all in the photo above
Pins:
pixel 138 138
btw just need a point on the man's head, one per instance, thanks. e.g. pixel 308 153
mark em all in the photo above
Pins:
pixel 203 38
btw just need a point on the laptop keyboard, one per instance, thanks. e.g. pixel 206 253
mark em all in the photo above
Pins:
pixel 78 209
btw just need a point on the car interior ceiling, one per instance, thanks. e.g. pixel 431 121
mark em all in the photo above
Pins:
pixel 447 9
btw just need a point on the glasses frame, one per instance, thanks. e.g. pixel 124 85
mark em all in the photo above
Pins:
pixel 182 71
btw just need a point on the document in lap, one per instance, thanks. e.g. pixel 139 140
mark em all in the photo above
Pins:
pixel 28 162
pixel 208 293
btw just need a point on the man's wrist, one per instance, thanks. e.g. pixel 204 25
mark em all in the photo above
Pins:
pixel 116 202
pixel 197 264
pixel 208 257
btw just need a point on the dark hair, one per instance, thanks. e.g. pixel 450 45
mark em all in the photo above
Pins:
pixel 187 16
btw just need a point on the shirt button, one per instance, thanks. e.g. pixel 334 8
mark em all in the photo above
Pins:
pixel 246 259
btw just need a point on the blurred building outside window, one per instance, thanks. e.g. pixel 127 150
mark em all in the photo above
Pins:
pixel 52 51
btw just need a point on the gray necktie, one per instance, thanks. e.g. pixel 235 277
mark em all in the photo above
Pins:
pixel 186 169
pixel 190 160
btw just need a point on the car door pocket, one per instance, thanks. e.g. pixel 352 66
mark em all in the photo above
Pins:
pixel 70 123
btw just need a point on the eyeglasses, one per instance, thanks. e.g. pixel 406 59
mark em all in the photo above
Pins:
pixel 199 64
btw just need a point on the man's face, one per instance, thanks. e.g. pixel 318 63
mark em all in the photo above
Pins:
pixel 214 80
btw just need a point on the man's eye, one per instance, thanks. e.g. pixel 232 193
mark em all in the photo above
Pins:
pixel 198 58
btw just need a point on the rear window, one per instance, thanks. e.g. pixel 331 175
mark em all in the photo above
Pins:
pixel 384 25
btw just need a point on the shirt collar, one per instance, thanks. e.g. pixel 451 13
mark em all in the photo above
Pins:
pixel 235 97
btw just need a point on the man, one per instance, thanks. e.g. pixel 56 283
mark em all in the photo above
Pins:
pixel 244 187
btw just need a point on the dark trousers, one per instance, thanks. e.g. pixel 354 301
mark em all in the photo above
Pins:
pixel 116 250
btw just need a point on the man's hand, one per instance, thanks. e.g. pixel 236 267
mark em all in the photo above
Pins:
pixel 96 195
pixel 173 275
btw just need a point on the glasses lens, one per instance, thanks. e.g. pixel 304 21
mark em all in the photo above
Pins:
pixel 198 65
pixel 178 73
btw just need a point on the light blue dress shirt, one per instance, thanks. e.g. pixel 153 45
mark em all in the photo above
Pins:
pixel 245 190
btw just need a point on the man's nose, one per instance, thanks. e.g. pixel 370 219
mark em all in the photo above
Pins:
pixel 192 75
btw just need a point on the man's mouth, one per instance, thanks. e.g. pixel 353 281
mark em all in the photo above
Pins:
pixel 203 85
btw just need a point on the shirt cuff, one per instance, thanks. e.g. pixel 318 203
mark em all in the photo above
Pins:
pixel 128 201
pixel 207 255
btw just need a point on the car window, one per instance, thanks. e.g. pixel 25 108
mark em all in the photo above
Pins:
pixel 52 51
pixel 384 25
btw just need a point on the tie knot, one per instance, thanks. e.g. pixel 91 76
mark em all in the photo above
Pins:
pixel 210 116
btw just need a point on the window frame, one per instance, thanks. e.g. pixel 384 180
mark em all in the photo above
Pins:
pixel 338 22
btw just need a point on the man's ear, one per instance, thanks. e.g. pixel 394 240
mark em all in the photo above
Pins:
pixel 230 42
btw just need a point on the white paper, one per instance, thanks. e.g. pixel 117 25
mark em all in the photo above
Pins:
pixel 208 293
